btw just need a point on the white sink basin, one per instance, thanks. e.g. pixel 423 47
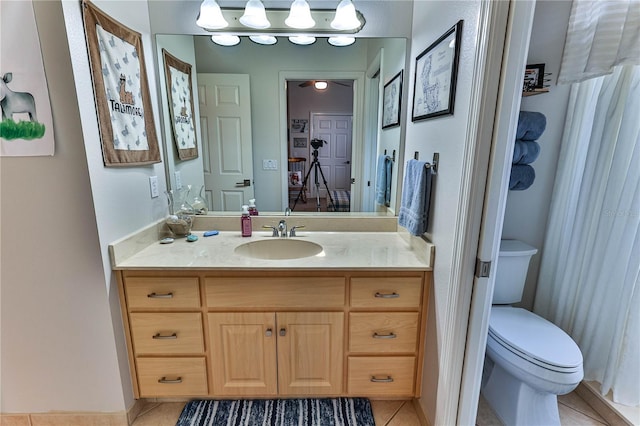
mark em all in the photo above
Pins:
pixel 278 248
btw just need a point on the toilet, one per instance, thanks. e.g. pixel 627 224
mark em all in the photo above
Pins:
pixel 529 360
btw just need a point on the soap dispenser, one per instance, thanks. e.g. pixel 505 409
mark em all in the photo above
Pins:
pixel 253 210
pixel 245 222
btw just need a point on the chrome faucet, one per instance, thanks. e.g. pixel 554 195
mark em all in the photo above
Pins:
pixel 282 227
pixel 287 211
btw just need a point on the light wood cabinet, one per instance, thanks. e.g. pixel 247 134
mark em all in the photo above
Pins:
pixel 275 333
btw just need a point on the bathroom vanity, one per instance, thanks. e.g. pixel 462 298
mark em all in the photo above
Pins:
pixel 203 321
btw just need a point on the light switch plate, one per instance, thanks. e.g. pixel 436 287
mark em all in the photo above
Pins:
pixel 153 186
pixel 178 180
pixel 269 164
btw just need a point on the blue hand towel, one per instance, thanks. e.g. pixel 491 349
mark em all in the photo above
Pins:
pixel 525 152
pixel 522 177
pixel 416 196
pixel 530 125
pixel 383 180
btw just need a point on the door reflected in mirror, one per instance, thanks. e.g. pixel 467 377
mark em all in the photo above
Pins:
pixel 254 150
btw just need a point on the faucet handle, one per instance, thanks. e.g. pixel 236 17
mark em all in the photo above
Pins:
pixel 292 233
pixel 273 229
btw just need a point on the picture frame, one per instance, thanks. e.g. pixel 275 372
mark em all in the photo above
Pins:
pixel 436 72
pixel 181 106
pixel 121 89
pixel 299 125
pixel 392 93
pixel 299 142
pixel 533 77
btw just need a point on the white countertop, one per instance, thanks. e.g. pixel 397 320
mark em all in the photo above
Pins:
pixel 342 250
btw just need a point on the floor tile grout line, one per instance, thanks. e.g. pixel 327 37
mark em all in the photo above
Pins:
pixel 577 410
pixel 395 413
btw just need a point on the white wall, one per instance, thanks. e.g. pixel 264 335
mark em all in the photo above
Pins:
pixel 447 136
pixel 58 343
pixel 527 211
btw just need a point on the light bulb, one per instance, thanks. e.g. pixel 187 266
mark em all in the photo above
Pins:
pixel 225 39
pixel 341 41
pixel 255 16
pixel 346 18
pixel 263 39
pixel 302 40
pixel 300 15
pixel 210 17
pixel 320 85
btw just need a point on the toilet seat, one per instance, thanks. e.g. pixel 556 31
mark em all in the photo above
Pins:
pixel 534 339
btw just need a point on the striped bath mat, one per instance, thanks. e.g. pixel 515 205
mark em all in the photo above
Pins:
pixel 278 412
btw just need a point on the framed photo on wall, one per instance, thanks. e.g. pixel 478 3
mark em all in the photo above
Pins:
pixel 436 71
pixel 125 116
pixel 180 98
pixel 299 142
pixel 392 94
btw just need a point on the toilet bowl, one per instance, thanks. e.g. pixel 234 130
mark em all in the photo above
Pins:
pixel 529 360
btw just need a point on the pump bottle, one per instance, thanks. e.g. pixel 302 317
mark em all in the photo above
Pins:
pixel 245 222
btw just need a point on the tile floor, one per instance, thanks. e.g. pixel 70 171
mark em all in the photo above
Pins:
pixel 573 411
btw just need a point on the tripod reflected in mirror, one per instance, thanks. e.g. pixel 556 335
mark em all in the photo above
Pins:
pixel 316 167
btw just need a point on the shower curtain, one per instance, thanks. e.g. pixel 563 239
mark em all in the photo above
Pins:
pixel 590 268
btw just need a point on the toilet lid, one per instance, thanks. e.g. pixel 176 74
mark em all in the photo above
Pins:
pixel 534 338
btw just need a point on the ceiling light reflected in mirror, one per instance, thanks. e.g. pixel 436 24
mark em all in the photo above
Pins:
pixel 341 41
pixel 225 39
pixel 302 40
pixel 320 85
pixel 263 39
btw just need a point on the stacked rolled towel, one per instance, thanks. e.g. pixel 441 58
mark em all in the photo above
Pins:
pixel 531 125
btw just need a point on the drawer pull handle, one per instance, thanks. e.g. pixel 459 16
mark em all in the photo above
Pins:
pixel 159 336
pixel 384 336
pixel 283 332
pixel 160 295
pixel 388 379
pixel 269 332
pixel 164 380
pixel 393 295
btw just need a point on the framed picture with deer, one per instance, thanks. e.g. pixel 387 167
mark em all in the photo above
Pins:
pixel 180 98
pixel 121 89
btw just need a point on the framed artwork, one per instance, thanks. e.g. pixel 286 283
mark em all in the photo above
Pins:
pixel 299 142
pixel 180 98
pixel 434 91
pixel 299 125
pixel 121 89
pixel 533 77
pixel 392 94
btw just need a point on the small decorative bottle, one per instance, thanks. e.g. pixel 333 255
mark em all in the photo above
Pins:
pixel 253 210
pixel 245 222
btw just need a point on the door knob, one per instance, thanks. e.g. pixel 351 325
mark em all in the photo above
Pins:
pixel 246 182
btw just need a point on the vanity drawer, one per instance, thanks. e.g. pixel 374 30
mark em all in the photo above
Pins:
pixel 276 292
pixel 382 376
pixel 173 292
pixel 167 333
pixel 383 332
pixel 386 292
pixel 159 377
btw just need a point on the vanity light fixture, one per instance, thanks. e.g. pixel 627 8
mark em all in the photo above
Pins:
pixel 300 15
pixel 255 15
pixel 225 39
pixel 210 17
pixel 320 85
pixel 263 39
pixel 346 18
pixel 341 41
pixel 302 40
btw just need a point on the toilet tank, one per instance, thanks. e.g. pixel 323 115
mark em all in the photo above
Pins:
pixel 511 271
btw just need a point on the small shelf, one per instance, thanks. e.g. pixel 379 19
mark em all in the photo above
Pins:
pixel 535 92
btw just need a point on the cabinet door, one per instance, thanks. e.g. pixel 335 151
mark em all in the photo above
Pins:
pixel 310 353
pixel 243 353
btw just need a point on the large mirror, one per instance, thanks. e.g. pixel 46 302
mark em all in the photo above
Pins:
pixel 286 115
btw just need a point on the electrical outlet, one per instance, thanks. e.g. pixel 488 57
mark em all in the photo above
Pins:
pixel 269 164
pixel 153 186
pixel 178 180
